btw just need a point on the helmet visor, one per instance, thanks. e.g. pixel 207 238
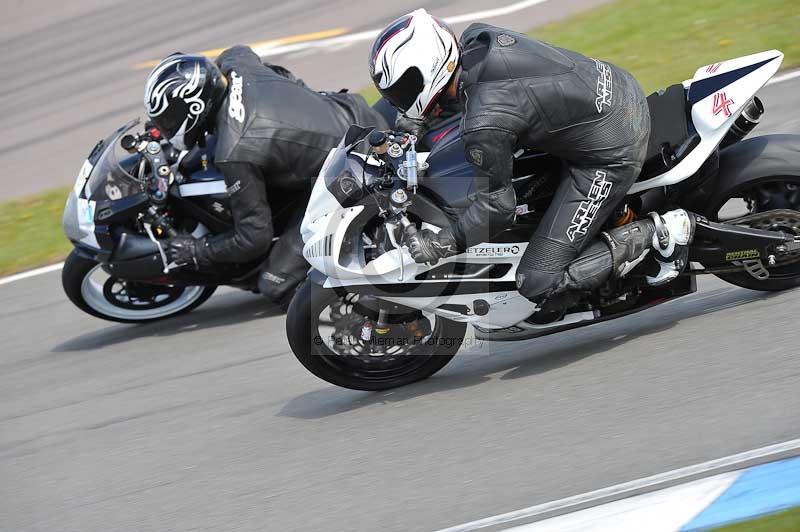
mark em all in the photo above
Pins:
pixel 169 123
pixel 405 91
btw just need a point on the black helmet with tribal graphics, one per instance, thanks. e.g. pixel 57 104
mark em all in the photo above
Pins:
pixel 180 95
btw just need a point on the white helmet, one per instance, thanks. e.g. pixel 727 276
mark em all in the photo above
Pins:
pixel 412 61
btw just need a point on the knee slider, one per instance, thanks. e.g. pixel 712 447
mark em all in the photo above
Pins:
pixel 536 285
pixel 542 266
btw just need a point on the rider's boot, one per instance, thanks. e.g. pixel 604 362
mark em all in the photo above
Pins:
pixel 620 250
pixel 613 256
pixel 673 232
pixel 669 235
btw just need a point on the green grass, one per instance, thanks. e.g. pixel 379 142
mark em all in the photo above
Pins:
pixel 662 43
pixel 30 231
pixel 788 521
pixel 370 94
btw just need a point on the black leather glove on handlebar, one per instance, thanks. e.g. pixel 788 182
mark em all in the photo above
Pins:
pixel 182 251
pixel 427 246
pixel 412 126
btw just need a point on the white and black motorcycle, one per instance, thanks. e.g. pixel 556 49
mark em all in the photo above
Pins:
pixel 370 318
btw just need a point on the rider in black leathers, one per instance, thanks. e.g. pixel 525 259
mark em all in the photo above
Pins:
pixel 592 115
pixel 271 130
pixel 515 93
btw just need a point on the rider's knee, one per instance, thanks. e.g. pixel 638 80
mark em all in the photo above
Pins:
pixel 537 285
pixel 278 287
pixel 542 267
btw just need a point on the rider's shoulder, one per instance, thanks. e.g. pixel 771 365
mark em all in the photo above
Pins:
pixel 237 57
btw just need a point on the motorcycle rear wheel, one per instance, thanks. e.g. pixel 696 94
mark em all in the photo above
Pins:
pixel 365 372
pixel 106 297
pixel 775 193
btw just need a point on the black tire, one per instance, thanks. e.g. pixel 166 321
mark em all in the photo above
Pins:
pixel 75 270
pixel 745 280
pixel 781 277
pixel 302 322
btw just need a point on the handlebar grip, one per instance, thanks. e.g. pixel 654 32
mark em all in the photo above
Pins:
pixel 411 230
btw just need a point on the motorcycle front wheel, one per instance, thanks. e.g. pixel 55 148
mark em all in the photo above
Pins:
pixel 326 331
pixel 104 296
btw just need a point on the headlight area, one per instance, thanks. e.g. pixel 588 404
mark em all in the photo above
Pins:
pixel 347 189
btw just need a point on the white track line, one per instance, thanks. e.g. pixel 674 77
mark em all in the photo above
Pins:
pixel 270 50
pixel 629 488
pixel 784 77
pixel 491 13
pixel 31 273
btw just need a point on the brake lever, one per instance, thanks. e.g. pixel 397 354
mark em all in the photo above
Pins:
pixel 409 228
pixel 393 239
pixel 157 242
pixel 411 232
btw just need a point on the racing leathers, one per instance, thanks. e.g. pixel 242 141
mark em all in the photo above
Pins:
pixel 519 93
pixel 272 131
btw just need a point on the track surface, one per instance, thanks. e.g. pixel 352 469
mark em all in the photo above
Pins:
pixel 207 422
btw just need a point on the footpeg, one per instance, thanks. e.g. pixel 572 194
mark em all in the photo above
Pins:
pixel 674 232
pixel 756 268
pixel 662 233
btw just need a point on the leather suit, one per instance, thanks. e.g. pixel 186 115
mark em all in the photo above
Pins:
pixel 517 92
pixel 272 130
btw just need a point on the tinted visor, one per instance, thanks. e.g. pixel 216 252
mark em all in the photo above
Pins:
pixel 171 120
pixel 405 91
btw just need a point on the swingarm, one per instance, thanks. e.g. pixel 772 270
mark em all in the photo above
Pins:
pixel 745 242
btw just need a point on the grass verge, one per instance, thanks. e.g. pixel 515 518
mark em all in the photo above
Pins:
pixel 662 43
pixel 370 94
pixel 787 521
pixel 30 231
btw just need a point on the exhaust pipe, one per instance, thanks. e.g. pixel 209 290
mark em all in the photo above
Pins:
pixel 749 119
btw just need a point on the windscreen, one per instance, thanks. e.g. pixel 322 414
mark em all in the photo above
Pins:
pixel 112 177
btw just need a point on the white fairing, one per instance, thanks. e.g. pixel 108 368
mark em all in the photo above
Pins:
pixel 203 188
pixel 714 114
pixel 327 225
pixel 334 245
pixel 320 202
pixel 505 308
pixel 81 211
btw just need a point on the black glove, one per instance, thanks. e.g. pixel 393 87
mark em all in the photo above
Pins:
pixel 427 246
pixel 412 126
pixel 182 251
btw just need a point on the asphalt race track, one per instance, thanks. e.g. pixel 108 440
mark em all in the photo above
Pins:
pixel 207 422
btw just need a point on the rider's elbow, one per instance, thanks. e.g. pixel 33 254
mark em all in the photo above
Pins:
pixel 255 245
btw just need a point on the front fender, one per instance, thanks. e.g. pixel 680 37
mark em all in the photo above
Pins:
pixel 744 164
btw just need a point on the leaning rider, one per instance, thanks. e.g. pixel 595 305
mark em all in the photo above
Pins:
pixel 519 93
pixel 271 130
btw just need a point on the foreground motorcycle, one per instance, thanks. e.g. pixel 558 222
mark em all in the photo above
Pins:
pixel 134 190
pixel 370 318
